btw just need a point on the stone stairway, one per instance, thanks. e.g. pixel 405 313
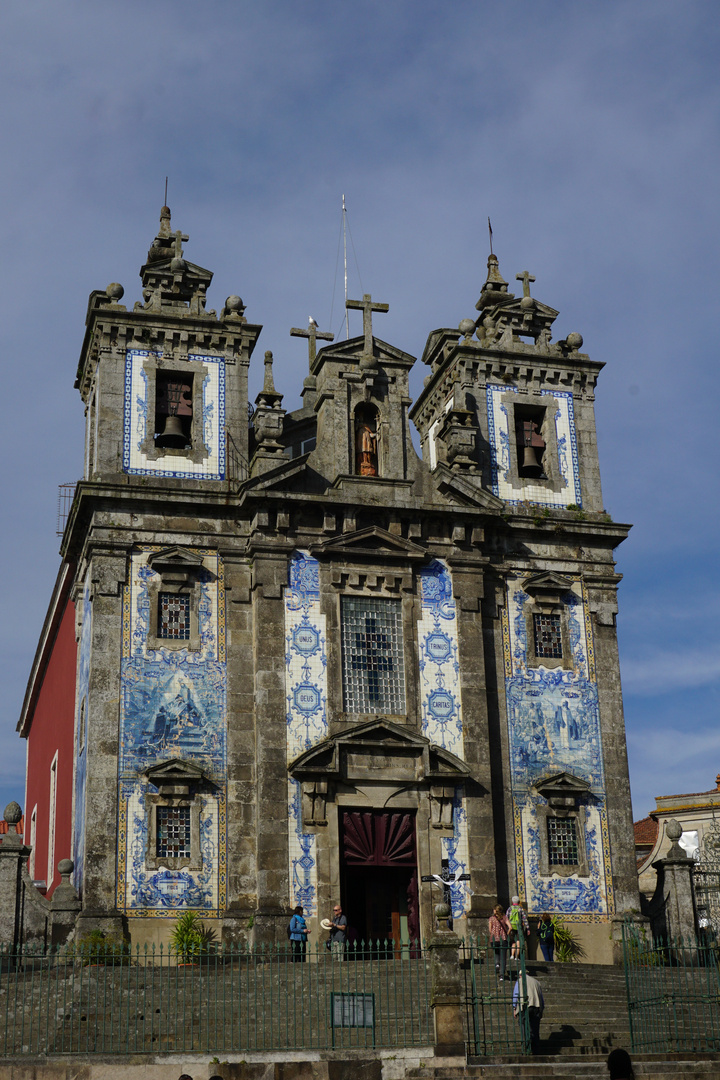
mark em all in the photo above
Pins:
pixel 586 1008
pixel 646 1067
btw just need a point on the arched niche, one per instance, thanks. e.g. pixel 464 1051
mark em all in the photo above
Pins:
pixel 367 449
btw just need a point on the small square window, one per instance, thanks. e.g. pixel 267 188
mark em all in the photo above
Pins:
pixel 173 832
pixel 562 842
pixel 173 616
pixel 548 636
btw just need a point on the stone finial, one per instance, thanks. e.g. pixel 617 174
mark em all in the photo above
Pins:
pixel 65 869
pixel 13 814
pixel 234 308
pixel 495 288
pixel 673 831
pixel 115 291
pixel 467 328
pixel 717 781
pixel 574 341
pixel 269 383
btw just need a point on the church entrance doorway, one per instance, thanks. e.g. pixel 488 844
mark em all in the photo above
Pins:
pixel 379 877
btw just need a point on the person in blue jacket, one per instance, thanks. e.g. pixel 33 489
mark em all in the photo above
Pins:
pixel 298 935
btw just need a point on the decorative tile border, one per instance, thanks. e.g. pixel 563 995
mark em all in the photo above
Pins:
pixel 135 462
pixel 499 436
pixel 306 696
pixel 554 726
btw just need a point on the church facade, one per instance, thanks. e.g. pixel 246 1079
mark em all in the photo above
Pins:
pixel 313 666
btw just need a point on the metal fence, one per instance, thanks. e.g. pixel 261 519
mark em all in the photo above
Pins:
pixel 107 1000
pixel 490 977
pixel 673 992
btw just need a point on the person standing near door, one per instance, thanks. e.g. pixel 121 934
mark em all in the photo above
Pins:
pixel 338 936
pixel 298 935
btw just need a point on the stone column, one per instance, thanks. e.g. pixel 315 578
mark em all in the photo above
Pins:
pixel 13 854
pixel 64 906
pixel 447 988
pixel 675 880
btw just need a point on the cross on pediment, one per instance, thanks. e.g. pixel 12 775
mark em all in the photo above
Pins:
pixel 367 307
pixel 526 278
pixel 179 237
pixel 312 334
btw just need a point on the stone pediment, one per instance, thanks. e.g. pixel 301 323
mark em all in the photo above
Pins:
pixel 370 543
pixel 175 556
pixel 278 476
pixel 175 776
pixel 466 490
pixel 561 789
pixel 547 582
pixel 352 350
pixel 379 750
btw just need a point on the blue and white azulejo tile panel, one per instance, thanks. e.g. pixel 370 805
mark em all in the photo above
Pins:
pixel 500 435
pixel 440 702
pixel 441 707
pixel 306 700
pixel 136 420
pixel 553 727
pixel 172 705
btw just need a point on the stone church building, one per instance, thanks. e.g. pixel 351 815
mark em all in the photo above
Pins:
pixel 308 665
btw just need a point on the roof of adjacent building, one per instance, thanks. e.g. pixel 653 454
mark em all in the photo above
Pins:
pixel 646 831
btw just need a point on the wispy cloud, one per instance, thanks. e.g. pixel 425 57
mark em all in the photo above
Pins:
pixel 665 671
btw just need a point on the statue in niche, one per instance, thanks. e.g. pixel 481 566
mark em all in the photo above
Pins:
pixel 366 453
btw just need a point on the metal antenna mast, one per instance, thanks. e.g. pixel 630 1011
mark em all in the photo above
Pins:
pixel 344 213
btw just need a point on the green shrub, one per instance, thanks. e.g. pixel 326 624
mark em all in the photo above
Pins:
pixel 568 949
pixel 190 938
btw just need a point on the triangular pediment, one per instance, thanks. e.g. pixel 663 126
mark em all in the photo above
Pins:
pixel 359 751
pixel 562 784
pixel 353 349
pixel 547 581
pixel 278 477
pixel 174 769
pixel 466 489
pixel 175 556
pixel 370 543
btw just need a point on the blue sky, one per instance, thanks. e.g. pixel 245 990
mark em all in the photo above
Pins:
pixel 587 132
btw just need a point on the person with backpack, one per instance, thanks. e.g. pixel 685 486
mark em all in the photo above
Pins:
pixel 519 926
pixel 546 936
pixel 298 934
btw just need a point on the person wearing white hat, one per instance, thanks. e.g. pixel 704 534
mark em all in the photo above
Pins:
pixel 339 933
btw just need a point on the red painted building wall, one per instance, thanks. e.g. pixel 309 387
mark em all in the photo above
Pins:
pixel 50 732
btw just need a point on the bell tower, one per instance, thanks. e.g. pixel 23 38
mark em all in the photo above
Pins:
pixel 165 384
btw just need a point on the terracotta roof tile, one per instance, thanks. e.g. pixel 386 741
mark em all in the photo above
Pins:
pixel 646 831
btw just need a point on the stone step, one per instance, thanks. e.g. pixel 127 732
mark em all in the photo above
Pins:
pixel 646 1067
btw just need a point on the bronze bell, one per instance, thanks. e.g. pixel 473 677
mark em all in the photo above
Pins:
pixel 530 459
pixel 172 435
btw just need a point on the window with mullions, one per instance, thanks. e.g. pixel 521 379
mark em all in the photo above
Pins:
pixel 174 616
pixel 548 636
pixel 173 832
pixel 372 655
pixel 562 842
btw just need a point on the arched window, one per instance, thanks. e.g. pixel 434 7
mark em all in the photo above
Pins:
pixel 366 441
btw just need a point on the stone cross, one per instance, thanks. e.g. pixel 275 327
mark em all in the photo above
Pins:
pixel 446 878
pixel 526 278
pixel 312 334
pixel 179 237
pixel 367 307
